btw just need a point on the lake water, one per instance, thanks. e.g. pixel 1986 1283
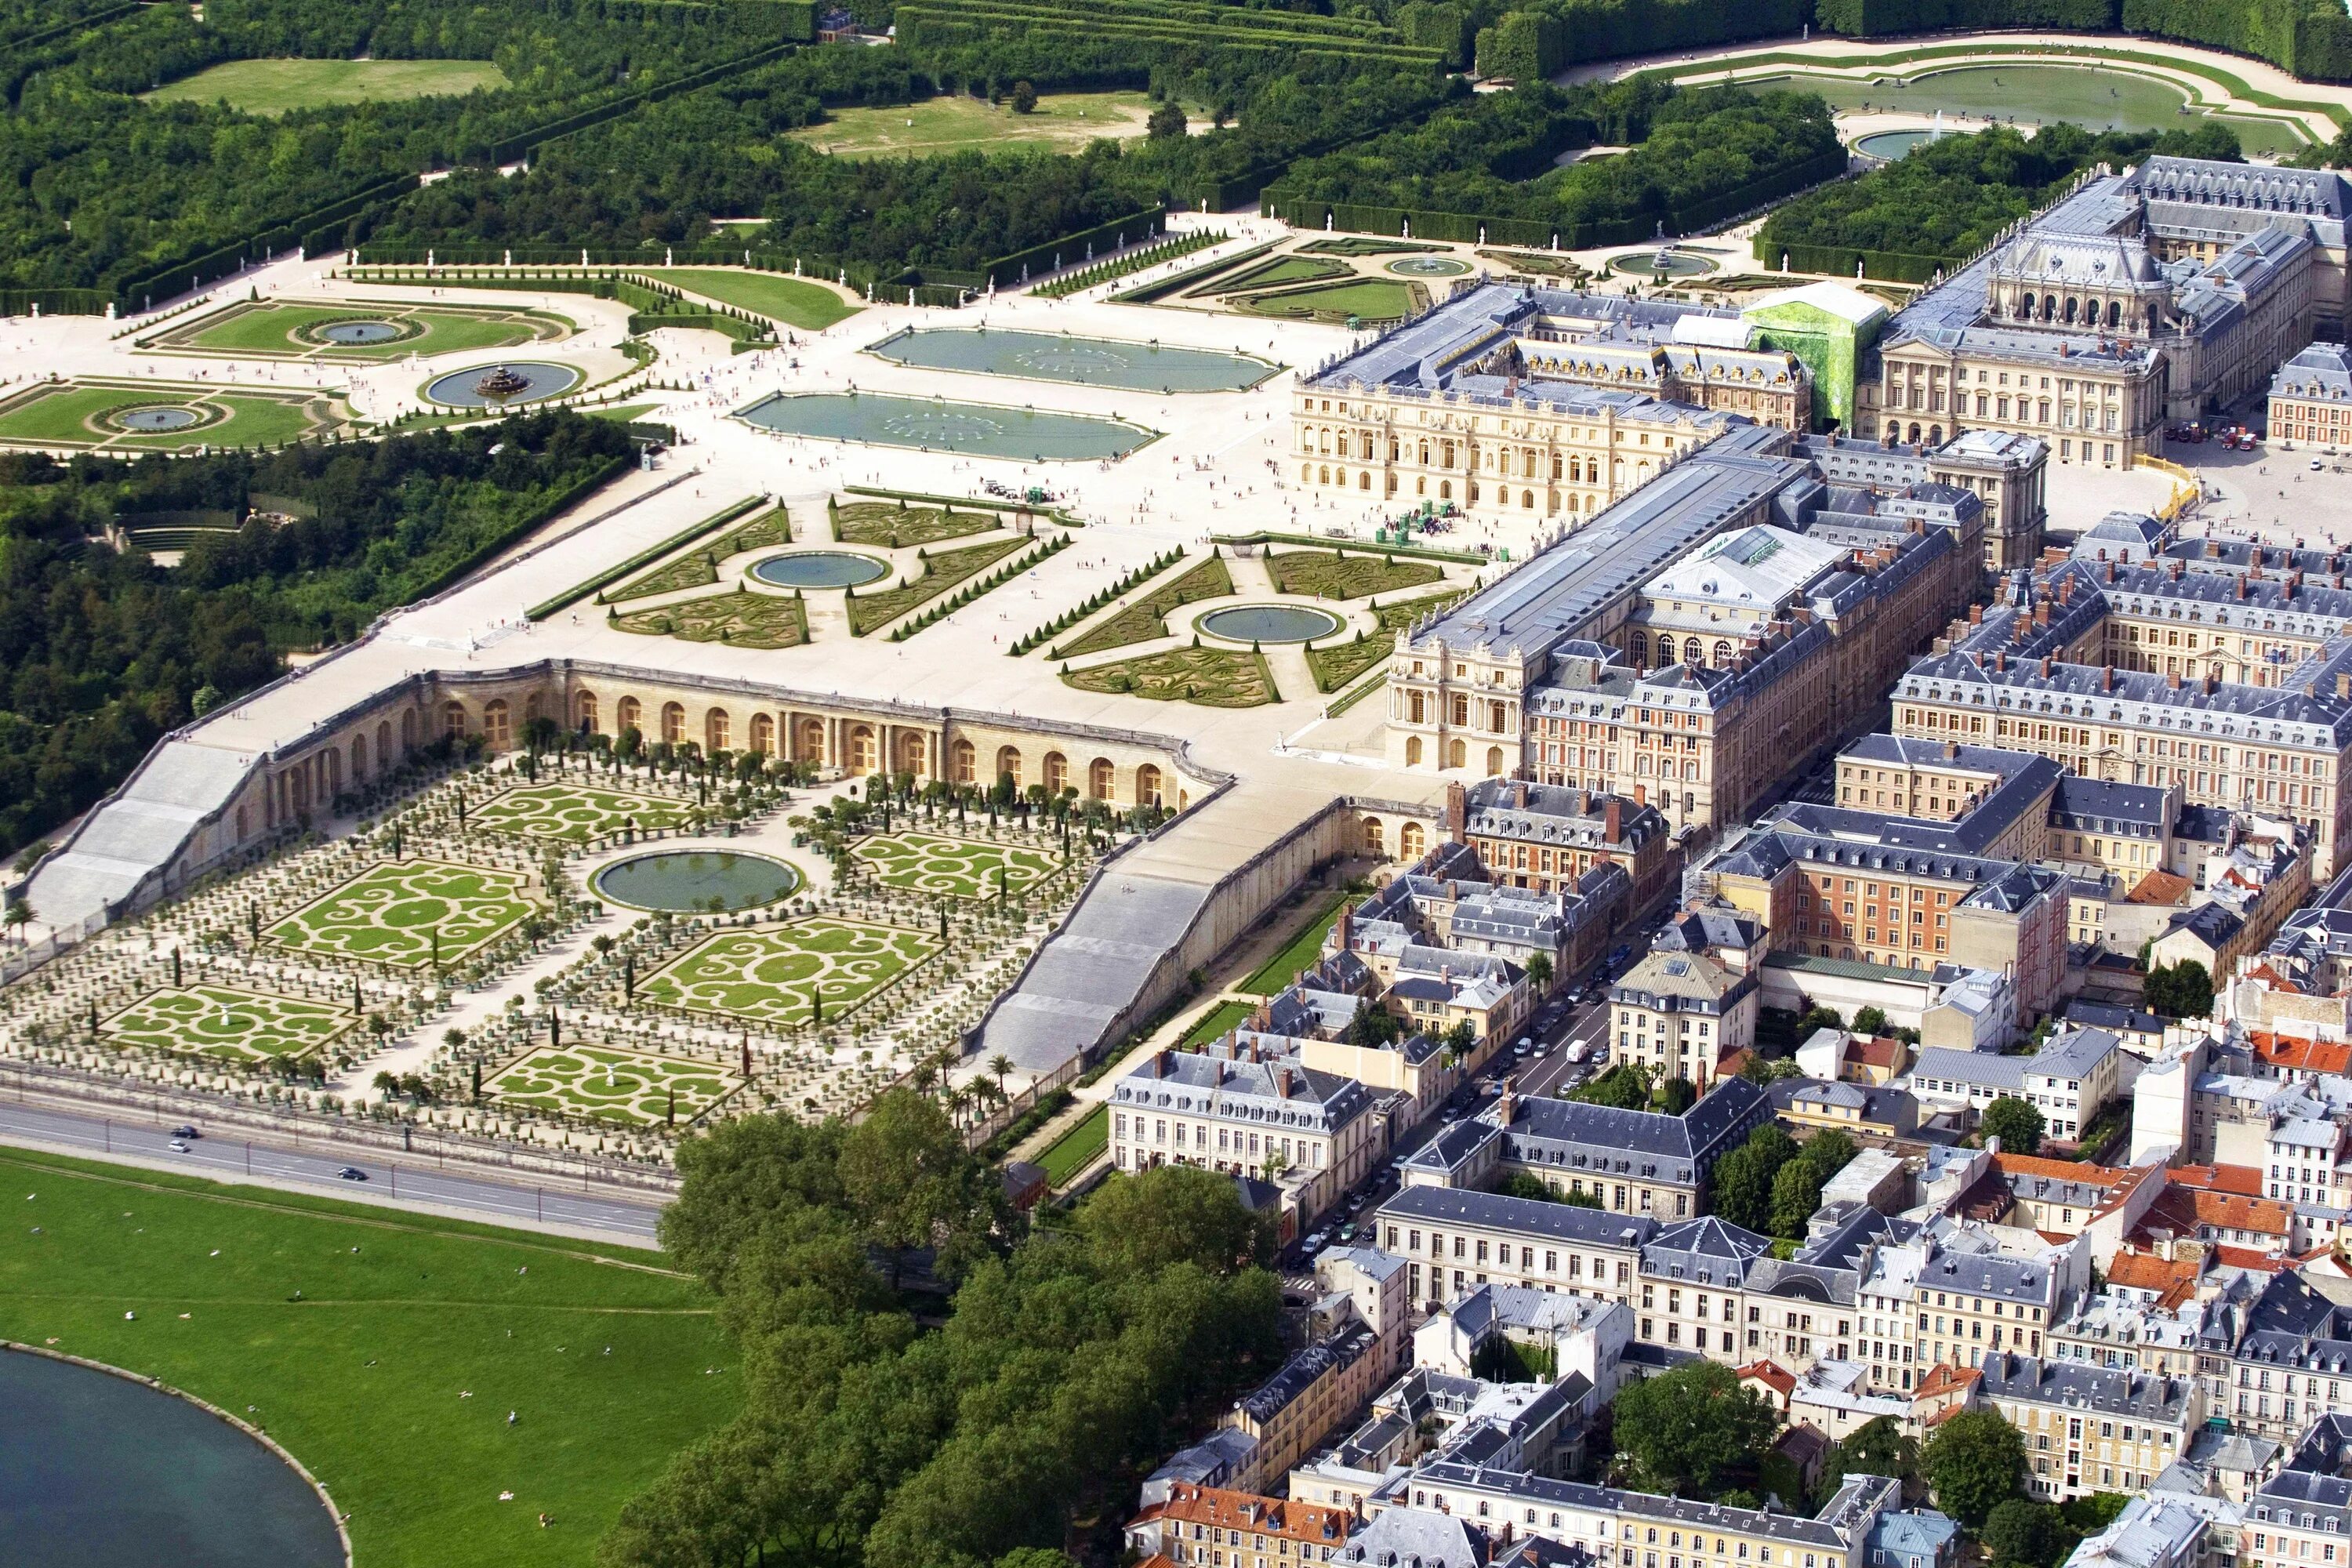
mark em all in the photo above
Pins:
pixel 97 1471
pixel 1081 362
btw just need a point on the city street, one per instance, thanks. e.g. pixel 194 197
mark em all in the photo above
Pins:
pixel 522 1203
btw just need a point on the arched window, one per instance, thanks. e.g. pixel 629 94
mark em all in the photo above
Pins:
pixel 865 757
pixel 496 728
pixel 384 744
pixel 631 715
pixel 673 723
pixel 1146 786
pixel 453 720
pixel 1409 841
pixel 1493 762
pixel 1722 653
pixel 1099 779
pixel 1457 755
pixel 1641 651
pixel 763 734
pixel 1008 764
pixel 358 758
pixel 1693 655
pixel 718 731
pixel 1375 837
pixel 407 730
pixel 584 712
pixel 1412 750
pixel 1057 773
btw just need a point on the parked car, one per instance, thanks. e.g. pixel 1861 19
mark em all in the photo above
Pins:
pixel 1521 1048
pixel 351 1174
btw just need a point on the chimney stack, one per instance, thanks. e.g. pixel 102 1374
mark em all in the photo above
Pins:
pixel 2045 666
pixel 2107 678
pixel 2173 679
pixel 1975 614
pixel 1613 820
pixel 1951 749
pixel 2343 683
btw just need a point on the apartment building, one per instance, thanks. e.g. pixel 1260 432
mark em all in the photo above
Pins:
pixel 2070 1080
pixel 2088 1429
pixel 2302 1517
pixel 1312 1134
pixel 1296 1409
pixel 1549 838
pixel 1455 1239
pixel 1693 999
pixel 1214 1527
pixel 2311 397
pixel 1971 1305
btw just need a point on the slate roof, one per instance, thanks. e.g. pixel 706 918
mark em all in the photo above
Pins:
pixel 1573 1136
pixel 1522 1216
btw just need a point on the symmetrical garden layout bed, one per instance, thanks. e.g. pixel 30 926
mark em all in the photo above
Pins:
pixel 133 416
pixel 410 913
pixel 363 331
pixel 576 814
pixel 605 1083
pixel 224 1021
pixel 952 867
pixel 768 974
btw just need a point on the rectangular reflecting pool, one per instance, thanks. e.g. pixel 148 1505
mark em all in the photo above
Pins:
pixel 1081 362
pixel 932 425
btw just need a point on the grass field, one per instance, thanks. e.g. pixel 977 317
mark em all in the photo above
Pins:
pixel 1285 269
pixel 1300 951
pixel 1326 571
pixel 222 1021
pixel 636 1089
pixel 574 813
pixel 1066 120
pixel 69 414
pixel 274 86
pixel 1147 617
pixel 794 302
pixel 769 975
pixel 413 913
pixel 1212 1024
pixel 956 867
pixel 1067 1156
pixel 1369 300
pixel 292 331
pixel 383 1348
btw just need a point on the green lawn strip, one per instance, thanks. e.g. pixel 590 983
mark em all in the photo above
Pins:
pixel 1367 299
pixel 1187 277
pixel 795 302
pixel 698 567
pixel 273 87
pixel 743 619
pixel 1336 664
pixel 253 421
pixel 1147 617
pixel 642 559
pixel 942 573
pixel 1276 974
pixel 1213 1024
pixel 1321 573
pixel 899 526
pixel 630 411
pixel 601 1357
pixel 1212 677
pixel 56 416
pixel 1361 245
pixel 1077 1148
pixel 1287 269
pixel 1980 53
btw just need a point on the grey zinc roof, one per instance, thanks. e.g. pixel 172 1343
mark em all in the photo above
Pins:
pixel 2102 806
pixel 1988 1274
pixel 1707 1251
pixel 1091 970
pixel 2321 370
pixel 1523 1217
pixel 1573 1136
pixel 2108 1391
pixel 1278 1092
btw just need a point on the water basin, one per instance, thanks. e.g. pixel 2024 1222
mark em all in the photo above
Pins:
pixel 686 881
pixel 531 379
pixel 1080 362
pixel 149 420
pixel 359 332
pixel 1269 623
pixel 986 430
pixel 819 569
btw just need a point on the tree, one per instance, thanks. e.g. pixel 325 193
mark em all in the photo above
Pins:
pixel 1166 122
pixel 1870 1021
pixel 912 1183
pixel 1373 1025
pixel 1796 1194
pixel 1174 1214
pixel 1743 1179
pixel 1626 1086
pixel 2015 1123
pixel 1024 97
pixel 1975 1462
pixel 1527 1184
pixel 741 1178
pixel 1828 1151
pixel 1539 972
pixel 1681 1430
pixel 1878 1447
pixel 2020 1531
pixel 1037 1557
pixel 2182 990
pixel 1675 1096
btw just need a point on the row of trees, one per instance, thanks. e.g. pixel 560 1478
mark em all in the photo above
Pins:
pixel 101 652
pixel 1070 1360
pixel 1773 1185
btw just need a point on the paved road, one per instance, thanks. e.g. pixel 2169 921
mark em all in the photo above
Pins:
pixel 390 1183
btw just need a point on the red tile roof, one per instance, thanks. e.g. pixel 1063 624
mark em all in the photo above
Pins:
pixel 2284 1053
pixel 2161 888
pixel 2246 1180
pixel 1248 1510
pixel 1773 1375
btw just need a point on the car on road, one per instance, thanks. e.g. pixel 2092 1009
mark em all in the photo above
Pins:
pixel 352 1173
pixel 1522 1046
pixel 1576 1053
pixel 186 1133
pixel 178 1145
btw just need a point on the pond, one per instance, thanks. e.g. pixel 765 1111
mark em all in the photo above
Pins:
pixel 684 880
pixel 154 419
pixel 98 1471
pixel 2039 95
pixel 359 332
pixel 820 569
pixel 1080 361
pixel 1650 263
pixel 503 385
pixel 1269 623
pixel 1893 144
pixel 1429 267
pixel 986 430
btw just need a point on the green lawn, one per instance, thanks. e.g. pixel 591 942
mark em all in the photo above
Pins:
pixel 952 122
pixel 274 86
pixel 1322 572
pixel 1069 1154
pixel 1147 617
pixel 291 330
pixel 1213 1024
pixel 63 414
pixel 1212 676
pixel 1279 972
pixel 1367 299
pixel 630 411
pixel 383 1350
pixel 795 302
pixel 1285 269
